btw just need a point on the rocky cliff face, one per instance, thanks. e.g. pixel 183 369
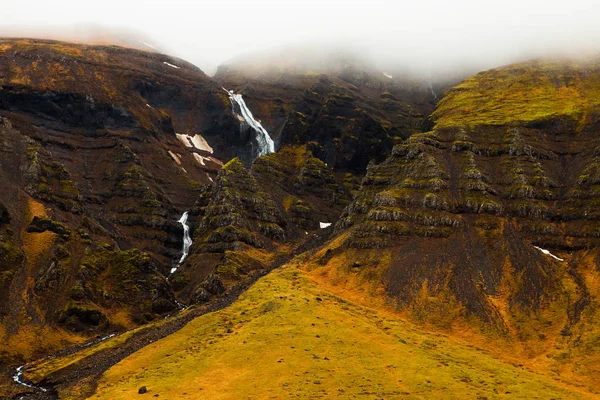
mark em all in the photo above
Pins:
pixel 347 114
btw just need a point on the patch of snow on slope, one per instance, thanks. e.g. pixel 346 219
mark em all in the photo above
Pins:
pixel 175 157
pixel 216 161
pixel 185 139
pixel 201 143
pixel 171 65
pixel 387 75
pixel 324 225
pixel 546 252
pixel 196 142
pixel 200 159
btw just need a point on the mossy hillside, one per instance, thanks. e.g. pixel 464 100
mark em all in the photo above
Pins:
pixel 463 189
pixel 238 211
pixel 48 180
pixel 238 230
pixel 288 335
pixel 506 171
pixel 128 279
pixel 249 218
pixel 305 188
pixel 524 93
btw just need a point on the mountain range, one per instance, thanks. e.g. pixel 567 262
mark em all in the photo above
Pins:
pixel 286 229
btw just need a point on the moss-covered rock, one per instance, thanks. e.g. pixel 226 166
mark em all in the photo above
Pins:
pixel 43 224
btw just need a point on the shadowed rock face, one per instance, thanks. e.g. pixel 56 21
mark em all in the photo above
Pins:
pixel 347 116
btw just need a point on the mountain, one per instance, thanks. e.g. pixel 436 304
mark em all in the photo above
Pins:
pixel 489 218
pixel 96 168
pixel 397 243
pixel 90 34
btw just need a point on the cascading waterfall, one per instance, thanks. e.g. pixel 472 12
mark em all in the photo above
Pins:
pixel 265 143
pixel 187 240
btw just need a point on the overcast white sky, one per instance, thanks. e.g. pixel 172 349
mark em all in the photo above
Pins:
pixel 416 32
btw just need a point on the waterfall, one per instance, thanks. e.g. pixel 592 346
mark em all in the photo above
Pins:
pixel 431 86
pixel 265 143
pixel 187 240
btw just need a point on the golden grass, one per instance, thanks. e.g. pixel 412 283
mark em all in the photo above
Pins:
pixel 41 369
pixel 287 336
pixel 35 339
pixel 36 244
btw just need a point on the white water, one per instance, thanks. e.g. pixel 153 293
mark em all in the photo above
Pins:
pixel 187 240
pixel 265 143
pixel 19 379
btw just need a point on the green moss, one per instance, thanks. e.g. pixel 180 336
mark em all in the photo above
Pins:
pixel 534 91
pixel 43 224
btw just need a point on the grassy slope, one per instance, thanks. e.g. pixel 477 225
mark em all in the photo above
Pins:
pixel 525 92
pixel 289 337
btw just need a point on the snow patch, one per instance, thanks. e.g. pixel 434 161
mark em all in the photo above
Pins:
pixel 387 75
pixel 171 65
pixel 546 252
pixel 185 139
pixel 200 159
pixel 195 142
pixel 201 143
pixel 175 157
pixel 324 225
pixel 216 161
pixel 150 106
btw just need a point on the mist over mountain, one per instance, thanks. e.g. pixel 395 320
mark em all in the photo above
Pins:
pixel 94 34
pixel 427 36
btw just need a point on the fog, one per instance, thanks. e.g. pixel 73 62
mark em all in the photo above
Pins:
pixel 427 36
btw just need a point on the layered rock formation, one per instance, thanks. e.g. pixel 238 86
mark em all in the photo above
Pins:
pixel 95 169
